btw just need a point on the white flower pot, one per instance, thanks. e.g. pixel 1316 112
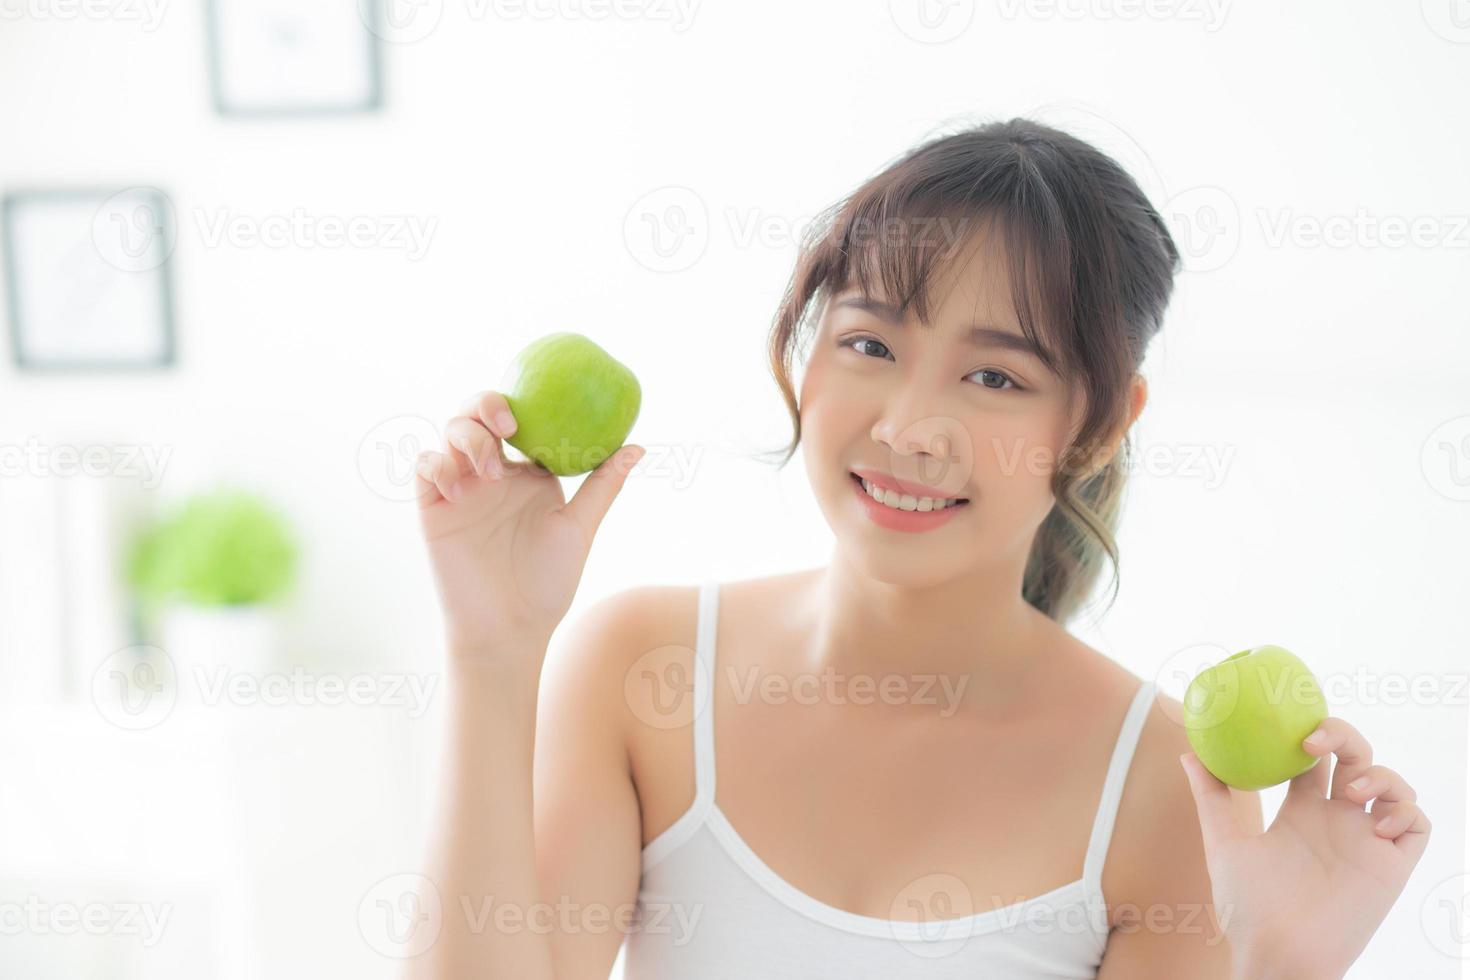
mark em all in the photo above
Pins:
pixel 210 644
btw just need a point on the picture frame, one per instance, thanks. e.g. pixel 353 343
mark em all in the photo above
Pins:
pixel 88 275
pixel 281 58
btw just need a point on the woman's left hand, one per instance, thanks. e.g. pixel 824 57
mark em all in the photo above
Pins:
pixel 1308 894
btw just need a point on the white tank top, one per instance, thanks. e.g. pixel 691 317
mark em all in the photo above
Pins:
pixel 710 909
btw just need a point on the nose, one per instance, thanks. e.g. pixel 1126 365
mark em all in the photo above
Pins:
pixel 923 443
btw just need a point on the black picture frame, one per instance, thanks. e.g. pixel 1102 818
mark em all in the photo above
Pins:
pixel 372 101
pixel 17 290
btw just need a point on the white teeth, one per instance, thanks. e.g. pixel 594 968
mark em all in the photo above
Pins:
pixel 903 501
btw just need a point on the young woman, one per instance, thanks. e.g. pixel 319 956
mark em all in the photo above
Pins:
pixel 899 764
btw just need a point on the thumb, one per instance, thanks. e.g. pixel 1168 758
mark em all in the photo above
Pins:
pixel 589 505
pixel 1213 801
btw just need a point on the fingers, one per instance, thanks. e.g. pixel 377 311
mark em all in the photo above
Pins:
pixel 434 476
pixel 594 497
pixel 1212 799
pixel 1378 782
pixel 472 444
pixel 1404 824
pixel 477 446
pixel 1354 756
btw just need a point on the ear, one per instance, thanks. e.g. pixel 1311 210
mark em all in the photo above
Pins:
pixel 1137 398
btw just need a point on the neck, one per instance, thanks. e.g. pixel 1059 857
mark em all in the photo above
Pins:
pixel 976 627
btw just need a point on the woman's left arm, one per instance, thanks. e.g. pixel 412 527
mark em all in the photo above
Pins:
pixel 1306 896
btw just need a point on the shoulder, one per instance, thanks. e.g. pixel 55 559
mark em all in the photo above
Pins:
pixel 608 635
pixel 1156 859
pixel 1156 853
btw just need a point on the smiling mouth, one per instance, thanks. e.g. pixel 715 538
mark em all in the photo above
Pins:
pixel 906 502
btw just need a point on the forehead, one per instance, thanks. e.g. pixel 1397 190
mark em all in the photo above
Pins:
pixel 968 280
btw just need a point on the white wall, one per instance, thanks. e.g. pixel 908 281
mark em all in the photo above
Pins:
pixel 1317 372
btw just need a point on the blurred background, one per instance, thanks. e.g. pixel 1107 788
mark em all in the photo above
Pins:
pixel 256 252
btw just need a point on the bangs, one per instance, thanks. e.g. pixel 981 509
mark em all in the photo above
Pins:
pixel 899 242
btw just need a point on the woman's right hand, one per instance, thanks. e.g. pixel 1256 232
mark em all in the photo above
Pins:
pixel 506 547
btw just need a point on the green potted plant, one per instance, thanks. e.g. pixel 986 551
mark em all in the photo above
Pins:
pixel 209 577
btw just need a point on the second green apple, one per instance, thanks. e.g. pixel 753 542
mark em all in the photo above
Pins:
pixel 573 402
pixel 1246 717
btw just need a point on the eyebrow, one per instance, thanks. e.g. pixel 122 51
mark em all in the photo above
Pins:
pixel 977 335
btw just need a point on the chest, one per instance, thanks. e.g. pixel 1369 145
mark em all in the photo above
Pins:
pixel 892 807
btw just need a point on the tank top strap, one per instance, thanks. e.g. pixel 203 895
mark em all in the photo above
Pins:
pixel 703 688
pixel 1112 792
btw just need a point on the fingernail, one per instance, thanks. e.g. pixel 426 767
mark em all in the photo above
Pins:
pixel 1317 737
pixel 505 421
pixel 1383 823
pixel 1358 783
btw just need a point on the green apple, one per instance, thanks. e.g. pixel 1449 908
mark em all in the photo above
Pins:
pixel 1247 715
pixel 574 404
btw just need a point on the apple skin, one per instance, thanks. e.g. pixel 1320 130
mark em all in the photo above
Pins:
pixel 574 404
pixel 1246 717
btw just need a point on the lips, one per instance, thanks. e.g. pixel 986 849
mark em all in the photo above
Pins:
pixel 887 482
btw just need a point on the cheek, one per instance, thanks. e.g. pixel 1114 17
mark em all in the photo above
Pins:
pixel 1016 455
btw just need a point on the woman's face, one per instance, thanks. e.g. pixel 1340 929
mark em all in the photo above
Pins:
pixel 958 405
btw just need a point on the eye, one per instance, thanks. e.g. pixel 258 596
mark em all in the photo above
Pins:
pixel 1005 379
pixel 887 355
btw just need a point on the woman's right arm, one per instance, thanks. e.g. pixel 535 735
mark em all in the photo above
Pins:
pixel 507 552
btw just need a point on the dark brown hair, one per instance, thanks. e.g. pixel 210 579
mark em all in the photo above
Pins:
pixel 1092 268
